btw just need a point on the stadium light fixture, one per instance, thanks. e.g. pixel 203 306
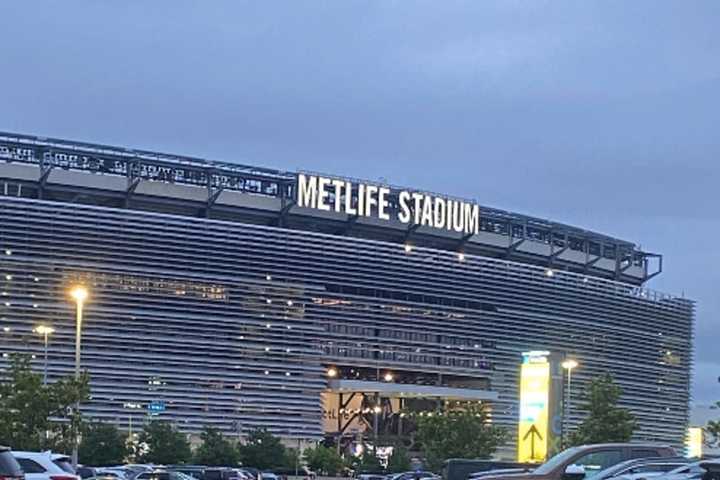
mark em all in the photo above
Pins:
pixel 388 377
pixel 408 248
pixel 80 294
pixel 461 256
pixel 45 331
pixel 332 372
pixel 568 365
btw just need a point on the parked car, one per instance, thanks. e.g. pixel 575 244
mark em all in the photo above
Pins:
pixel 86 472
pixel 708 469
pixel 163 475
pixel 116 473
pixel 462 468
pixel 10 469
pixel 45 466
pixel 417 475
pixel 641 468
pixel 586 461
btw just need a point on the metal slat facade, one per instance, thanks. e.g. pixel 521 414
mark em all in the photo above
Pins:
pixel 233 324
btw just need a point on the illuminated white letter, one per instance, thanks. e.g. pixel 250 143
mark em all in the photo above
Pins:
pixel 458 217
pixel 383 203
pixel 370 192
pixel 323 194
pixel 307 191
pixel 338 184
pixel 361 200
pixel 439 213
pixel 472 218
pixel 404 214
pixel 349 209
pixel 427 218
pixel 418 198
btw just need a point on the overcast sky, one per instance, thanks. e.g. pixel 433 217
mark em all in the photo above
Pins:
pixel 601 114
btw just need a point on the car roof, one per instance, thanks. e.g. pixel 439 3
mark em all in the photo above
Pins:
pixel 624 445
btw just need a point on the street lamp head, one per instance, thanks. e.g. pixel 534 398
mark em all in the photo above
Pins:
pixel 44 330
pixel 79 293
pixel 569 364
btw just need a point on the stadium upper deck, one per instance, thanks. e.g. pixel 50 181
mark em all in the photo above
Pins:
pixel 78 172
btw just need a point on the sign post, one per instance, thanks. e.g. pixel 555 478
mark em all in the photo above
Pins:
pixel 534 407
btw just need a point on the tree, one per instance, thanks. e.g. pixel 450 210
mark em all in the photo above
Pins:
pixel 712 429
pixel 399 460
pixel 215 449
pixel 102 444
pixel 605 421
pixel 291 460
pixel 262 450
pixel 161 443
pixel 324 460
pixel 27 406
pixel 458 434
pixel 369 462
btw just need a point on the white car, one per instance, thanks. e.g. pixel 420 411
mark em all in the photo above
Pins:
pixel 45 466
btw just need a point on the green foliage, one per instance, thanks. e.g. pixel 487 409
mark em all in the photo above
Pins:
pixel 102 444
pixel 215 449
pixel 291 459
pixel 323 460
pixel 369 463
pixel 262 450
pixel 26 407
pixel 399 461
pixel 605 421
pixel 161 443
pixel 458 434
pixel 712 431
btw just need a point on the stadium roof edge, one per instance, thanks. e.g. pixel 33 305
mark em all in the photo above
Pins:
pixel 274 174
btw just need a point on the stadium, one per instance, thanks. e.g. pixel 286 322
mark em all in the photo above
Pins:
pixel 311 305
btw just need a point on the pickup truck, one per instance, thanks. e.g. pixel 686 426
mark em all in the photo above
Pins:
pixel 581 463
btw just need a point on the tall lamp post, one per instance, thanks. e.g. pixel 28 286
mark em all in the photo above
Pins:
pixel 568 365
pixel 45 331
pixel 80 294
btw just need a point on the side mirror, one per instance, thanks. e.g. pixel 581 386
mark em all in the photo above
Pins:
pixel 574 472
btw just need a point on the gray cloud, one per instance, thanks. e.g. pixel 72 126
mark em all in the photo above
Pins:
pixel 602 114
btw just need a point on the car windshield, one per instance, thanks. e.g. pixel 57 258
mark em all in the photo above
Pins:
pixel 64 464
pixel 556 461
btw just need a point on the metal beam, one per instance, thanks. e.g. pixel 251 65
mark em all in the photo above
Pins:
pixel 408 233
pixel 593 261
pixel 213 197
pixel 283 212
pixel 42 181
pixel 554 255
pixel 513 246
pixel 349 224
pixel 464 239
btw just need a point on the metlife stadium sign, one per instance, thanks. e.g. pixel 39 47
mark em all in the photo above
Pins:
pixel 369 200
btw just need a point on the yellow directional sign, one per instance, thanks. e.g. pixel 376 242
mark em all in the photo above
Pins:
pixel 534 408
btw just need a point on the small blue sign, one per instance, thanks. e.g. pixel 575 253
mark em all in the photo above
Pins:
pixel 155 408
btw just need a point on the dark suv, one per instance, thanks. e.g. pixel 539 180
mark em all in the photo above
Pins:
pixel 9 467
pixel 581 463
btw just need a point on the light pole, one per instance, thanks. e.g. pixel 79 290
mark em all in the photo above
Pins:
pixel 568 365
pixel 45 331
pixel 79 293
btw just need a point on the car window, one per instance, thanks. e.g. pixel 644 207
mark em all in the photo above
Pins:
pixel 30 466
pixel 9 467
pixel 594 462
pixel 66 466
pixel 643 453
pixel 556 461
